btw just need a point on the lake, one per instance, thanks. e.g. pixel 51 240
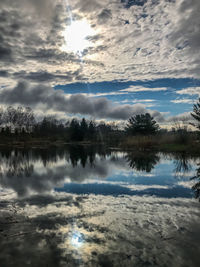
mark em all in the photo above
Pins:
pixel 91 206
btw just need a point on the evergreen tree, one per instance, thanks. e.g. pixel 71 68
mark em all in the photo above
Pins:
pixel 83 129
pixel 91 130
pixel 196 114
pixel 74 130
pixel 142 124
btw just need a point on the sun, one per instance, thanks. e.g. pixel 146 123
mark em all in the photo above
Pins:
pixel 75 36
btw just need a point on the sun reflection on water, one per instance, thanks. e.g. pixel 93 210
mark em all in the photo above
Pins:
pixel 77 239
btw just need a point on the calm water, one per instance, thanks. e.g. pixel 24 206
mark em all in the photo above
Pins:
pixel 87 206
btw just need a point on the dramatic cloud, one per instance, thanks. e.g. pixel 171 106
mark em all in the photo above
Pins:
pixel 132 39
pixel 48 98
pixel 129 41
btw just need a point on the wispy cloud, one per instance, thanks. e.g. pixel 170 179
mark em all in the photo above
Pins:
pixel 133 89
pixel 183 101
pixel 189 91
pixel 100 94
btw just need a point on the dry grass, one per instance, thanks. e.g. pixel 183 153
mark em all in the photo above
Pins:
pixel 167 141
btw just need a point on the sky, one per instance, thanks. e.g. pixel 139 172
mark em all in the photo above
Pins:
pixel 103 60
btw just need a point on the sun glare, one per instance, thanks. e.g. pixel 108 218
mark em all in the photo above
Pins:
pixel 77 239
pixel 75 36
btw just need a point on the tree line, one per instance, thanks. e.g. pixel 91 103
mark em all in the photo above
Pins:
pixel 21 121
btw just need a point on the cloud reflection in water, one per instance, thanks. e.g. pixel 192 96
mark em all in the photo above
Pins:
pixel 89 170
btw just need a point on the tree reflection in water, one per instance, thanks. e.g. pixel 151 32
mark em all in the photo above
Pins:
pixel 50 166
pixel 20 162
pixel 196 186
pixel 182 162
pixel 142 161
pixel 183 165
pixel 16 163
pixel 85 154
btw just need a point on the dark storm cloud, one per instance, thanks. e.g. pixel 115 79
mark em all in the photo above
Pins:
pixel 25 94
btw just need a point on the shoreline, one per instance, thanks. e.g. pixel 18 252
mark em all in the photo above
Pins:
pixel 45 144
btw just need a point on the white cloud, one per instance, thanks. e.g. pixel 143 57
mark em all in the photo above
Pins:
pixel 147 102
pixel 138 100
pixel 100 94
pixel 182 118
pixel 133 89
pixel 140 42
pixel 183 101
pixel 189 91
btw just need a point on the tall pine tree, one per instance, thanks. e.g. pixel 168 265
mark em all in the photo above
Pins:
pixel 196 114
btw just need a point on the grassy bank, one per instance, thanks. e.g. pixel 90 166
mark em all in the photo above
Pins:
pixel 166 142
pixel 169 142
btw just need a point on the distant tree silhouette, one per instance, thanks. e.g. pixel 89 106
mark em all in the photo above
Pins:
pixel 49 126
pixel 74 130
pixel 83 129
pixel 91 130
pixel 1 116
pixel 142 124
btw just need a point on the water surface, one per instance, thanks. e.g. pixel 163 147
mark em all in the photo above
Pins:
pixel 88 206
